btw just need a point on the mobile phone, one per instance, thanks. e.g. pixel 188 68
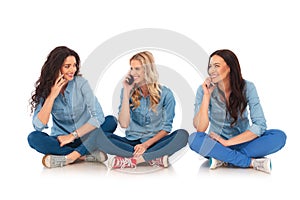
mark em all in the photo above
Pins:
pixel 60 74
pixel 130 80
pixel 211 84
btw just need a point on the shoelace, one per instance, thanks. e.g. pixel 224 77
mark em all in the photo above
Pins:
pixel 120 162
pixel 91 158
pixel 58 161
pixel 156 162
pixel 259 164
pixel 219 163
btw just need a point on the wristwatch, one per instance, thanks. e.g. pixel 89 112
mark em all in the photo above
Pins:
pixel 75 134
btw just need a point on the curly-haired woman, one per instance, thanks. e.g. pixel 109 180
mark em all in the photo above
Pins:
pixel 63 95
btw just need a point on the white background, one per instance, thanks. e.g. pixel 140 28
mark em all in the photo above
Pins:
pixel 263 34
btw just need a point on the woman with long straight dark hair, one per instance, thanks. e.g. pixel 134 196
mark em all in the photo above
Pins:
pixel 221 106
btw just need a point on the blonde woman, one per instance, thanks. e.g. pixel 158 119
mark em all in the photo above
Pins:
pixel 146 111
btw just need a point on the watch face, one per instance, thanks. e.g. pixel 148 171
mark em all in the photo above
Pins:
pixel 75 134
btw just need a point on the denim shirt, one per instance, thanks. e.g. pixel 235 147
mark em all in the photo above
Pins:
pixel 220 121
pixel 145 123
pixel 70 111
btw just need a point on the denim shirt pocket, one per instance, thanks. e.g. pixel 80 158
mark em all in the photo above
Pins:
pixel 137 118
pixel 156 116
pixel 141 117
pixel 59 114
pixel 77 112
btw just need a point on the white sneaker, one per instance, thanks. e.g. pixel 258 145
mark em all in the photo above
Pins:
pixel 262 164
pixel 96 156
pixel 214 163
pixel 51 161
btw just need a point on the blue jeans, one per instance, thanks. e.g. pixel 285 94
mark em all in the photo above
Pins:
pixel 120 146
pixel 46 144
pixel 238 155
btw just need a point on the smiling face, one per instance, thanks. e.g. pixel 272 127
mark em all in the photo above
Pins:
pixel 137 71
pixel 69 67
pixel 218 69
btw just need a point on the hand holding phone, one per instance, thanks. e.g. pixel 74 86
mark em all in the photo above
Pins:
pixel 130 80
pixel 211 84
pixel 61 75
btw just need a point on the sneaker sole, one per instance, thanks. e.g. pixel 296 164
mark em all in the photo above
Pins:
pixel 269 163
pixel 103 155
pixel 166 161
pixel 110 163
pixel 46 161
pixel 213 165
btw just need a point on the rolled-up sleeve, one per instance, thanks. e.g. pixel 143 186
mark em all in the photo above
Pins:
pixel 36 122
pixel 258 126
pixel 169 111
pixel 198 100
pixel 94 107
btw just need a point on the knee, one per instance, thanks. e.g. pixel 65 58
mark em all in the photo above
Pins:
pixel 195 140
pixel 279 137
pixel 112 120
pixel 182 137
pixel 183 134
pixel 31 138
pixel 110 124
pixel 282 136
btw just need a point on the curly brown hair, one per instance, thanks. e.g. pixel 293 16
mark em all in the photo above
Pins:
pixel 50 72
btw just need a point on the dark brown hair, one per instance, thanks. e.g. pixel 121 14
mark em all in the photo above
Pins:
pixel 237 99
pixel 50 72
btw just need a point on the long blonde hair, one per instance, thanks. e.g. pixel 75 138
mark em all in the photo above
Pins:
pixel 151 78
